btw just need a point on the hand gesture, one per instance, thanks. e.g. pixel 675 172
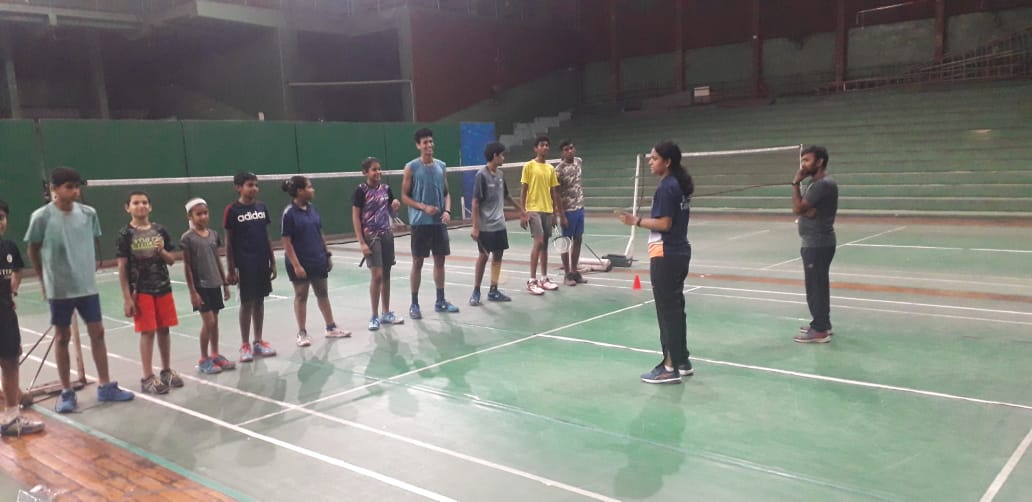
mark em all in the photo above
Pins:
pixel 800 175
pixel 130 308
pixel 195 300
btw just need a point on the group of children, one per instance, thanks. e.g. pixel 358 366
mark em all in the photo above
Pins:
pixel 144 250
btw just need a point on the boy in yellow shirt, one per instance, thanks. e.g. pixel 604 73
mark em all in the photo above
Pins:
pixel 540 197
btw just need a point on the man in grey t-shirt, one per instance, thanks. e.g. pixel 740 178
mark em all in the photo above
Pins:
pixel 489 196
pixel 816 210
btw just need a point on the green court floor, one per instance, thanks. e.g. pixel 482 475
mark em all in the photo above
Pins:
pixel 922 395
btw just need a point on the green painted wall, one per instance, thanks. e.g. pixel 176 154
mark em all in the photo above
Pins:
pixel 20 176
pixel 168 149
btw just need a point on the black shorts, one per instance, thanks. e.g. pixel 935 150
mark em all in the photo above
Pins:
pixel 255 284
pixel 382 251
pixel 311 272
pixel 428 239
pixel 211 300
pixel 494 241
pixel 10 335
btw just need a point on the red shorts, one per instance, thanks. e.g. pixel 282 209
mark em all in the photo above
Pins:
pixel 154 312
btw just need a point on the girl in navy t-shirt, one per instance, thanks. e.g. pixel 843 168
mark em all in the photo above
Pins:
pixel 669 254
pixel 308 259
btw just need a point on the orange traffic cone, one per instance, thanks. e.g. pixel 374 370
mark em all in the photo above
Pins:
pixel 637 282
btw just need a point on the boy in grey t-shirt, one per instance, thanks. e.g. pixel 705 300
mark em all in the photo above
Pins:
pixel 489 195
pixel 206 279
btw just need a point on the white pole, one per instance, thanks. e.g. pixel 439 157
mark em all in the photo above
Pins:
pixel 628 252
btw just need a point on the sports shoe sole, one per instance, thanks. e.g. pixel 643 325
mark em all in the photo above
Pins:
pixel 825 339
pixel 669 381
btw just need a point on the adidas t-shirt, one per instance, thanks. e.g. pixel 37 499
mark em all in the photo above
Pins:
pixel 250 235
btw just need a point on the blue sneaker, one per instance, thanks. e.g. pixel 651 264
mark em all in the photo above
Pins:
pixel 66 403
pixel 374 323
pixel 414 312
pixel 659 374
pixel 474 299
pixel 263 349
pixel 445 306
pixel 111 392
pixel 390 318
pixel 685 368
pixel 497 296
pixel 208 366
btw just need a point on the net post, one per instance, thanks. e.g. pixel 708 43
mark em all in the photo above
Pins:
pixel 629 250
pixel 77 341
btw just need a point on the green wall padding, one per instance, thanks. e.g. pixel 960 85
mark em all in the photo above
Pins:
pixel 103 149
pixel 224 148
pixel 20 176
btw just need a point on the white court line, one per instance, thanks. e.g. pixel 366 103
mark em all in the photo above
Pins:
pixel 750 234
pixel 775 292
pixel 703 264
pixel 875 300
pixel 810 376
pixel 900 246
pixel 447 361
pixel 412 441
pixel 1003 250
pixel 879 234
pixel 1008 468
pixel 400 375
pixel 362 471
pixel 871 309
pixel 405 439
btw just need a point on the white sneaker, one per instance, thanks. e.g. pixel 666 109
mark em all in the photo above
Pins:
pixel 548 285
pixel 533 288
pixel 337 332
pixel 303 340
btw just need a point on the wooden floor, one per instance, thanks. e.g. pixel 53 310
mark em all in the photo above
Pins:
pixel 77 466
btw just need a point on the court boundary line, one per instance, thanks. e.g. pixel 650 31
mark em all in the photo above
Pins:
pixel 446 361
pixel 302 408
pixel 749 234
pixel 872 309
pixel 1007 469
pixel 808 376
pixel 879 234
pixel 466 270
pixel 327 459
pixel 391 435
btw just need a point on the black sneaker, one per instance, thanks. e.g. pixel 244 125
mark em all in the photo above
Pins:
pixel 659 374
pixel 685 368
